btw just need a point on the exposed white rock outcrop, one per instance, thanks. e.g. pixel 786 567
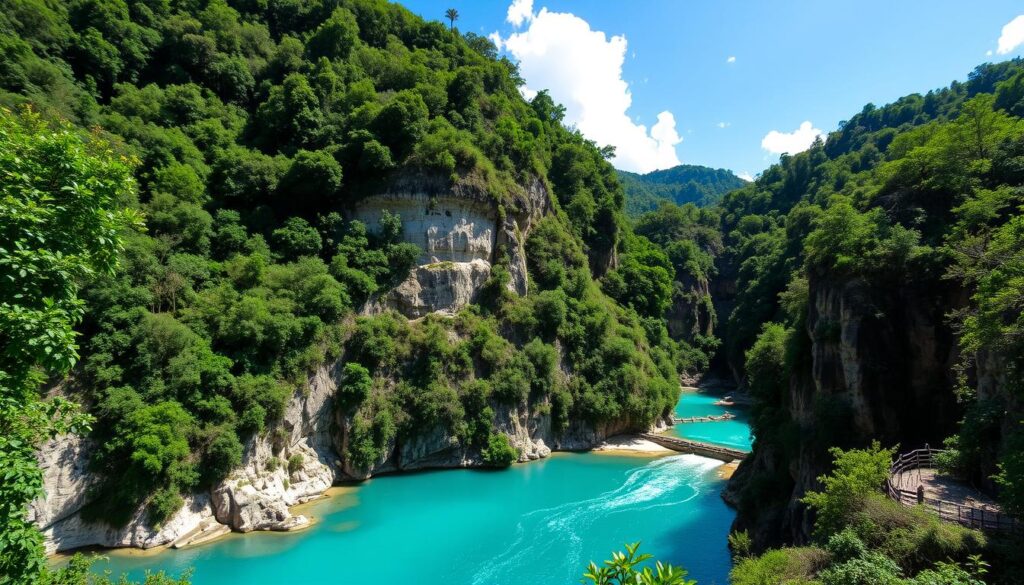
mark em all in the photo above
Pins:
pixel 443 287
pixel 446 229
pixel 66 481
pixel 290 465
pixel 255 497
pixel 461 235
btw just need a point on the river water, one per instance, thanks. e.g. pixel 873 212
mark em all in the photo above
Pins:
pixel 537 523
pixel 731 433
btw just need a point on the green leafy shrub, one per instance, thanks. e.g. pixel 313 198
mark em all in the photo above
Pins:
pixel 272 464
pixel 354 387
pixel 857 474
pixel 82 570
pixel 740 544
pixel 874 569
pixel 499 452
pixel 625 567
pixel 295 463
pixel 845 546
pixel 163 505
pixel 787 565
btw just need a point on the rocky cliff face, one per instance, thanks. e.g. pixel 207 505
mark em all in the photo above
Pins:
pixel 879 366
pixel 257 496
pixel 254 497
pixel 691 313
pixel 462 234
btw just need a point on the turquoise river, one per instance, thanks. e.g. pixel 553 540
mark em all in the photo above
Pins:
pixel 537 523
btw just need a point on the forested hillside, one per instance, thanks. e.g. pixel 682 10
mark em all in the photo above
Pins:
pixel 680 185
pixel 251 130
pixel 870 288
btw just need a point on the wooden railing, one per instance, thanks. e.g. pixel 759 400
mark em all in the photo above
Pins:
pixel 966 515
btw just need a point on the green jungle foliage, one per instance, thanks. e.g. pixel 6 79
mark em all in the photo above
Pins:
pixel 927 190
pixel 63 206
pixel 681 184
pixel 861 537
pixel 250 128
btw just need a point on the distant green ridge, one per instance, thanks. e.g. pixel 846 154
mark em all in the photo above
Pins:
pixel 680 184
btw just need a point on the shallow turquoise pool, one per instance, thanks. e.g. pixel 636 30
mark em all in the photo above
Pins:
pixel 731 433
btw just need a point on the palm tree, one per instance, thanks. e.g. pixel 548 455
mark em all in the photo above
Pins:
pixel 452 15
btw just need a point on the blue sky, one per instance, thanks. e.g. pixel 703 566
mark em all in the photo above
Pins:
pixel 795 61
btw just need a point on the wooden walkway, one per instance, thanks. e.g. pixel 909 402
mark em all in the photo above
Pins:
pixel 696 447
pixel 951 500
pixel 707 418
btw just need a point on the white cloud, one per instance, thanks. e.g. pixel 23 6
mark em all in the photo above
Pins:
pixel 731 59
pixel 496 39
pixel 988 53
pixel 519 11
pixel 746 176
pixel 1012 37
pixel 723 124
pixel 793 142
pixel 582 68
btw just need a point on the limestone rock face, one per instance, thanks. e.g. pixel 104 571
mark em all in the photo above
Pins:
pixel 461 235
pixel 64 462
pixel 528 430
pixel 691 313
pixel 255 497
pixel 881 367
pixel 443 287
pixel 287 466
pixel 66 481
pixel 447 229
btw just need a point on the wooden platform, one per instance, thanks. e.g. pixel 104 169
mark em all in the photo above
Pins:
pixel 696 447
pixel 914 480
pixel 707 418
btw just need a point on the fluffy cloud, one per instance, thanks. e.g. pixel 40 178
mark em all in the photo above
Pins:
pixel 746 176
pixel 519 11
pixel 731 59
pixel 793 142
pixel 1012 37
pixel 723 124
pixel 582 68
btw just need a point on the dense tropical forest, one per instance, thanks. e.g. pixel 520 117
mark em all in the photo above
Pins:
pixel 680 185
pixel 178 256
pixel 232 137
pixel 878 297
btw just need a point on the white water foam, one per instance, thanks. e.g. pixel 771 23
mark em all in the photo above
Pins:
pixel 644 488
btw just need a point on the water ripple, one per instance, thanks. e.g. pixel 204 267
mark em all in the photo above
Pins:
pixel 667 481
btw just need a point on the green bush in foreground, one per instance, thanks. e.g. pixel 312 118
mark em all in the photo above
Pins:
pixel 62 212
pixel 792 566
pixel 623 569
pixel 78 572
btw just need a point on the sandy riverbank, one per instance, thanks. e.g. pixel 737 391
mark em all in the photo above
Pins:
pixel 631 445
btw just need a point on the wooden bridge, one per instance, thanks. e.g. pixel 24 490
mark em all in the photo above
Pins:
pixel 696 447
pixel 917 468
pixel 707 418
